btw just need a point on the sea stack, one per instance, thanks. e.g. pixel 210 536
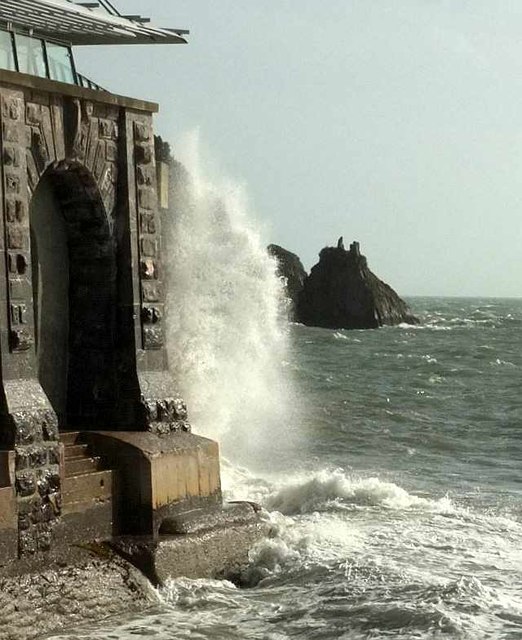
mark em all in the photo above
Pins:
pixel 342 293
pixel 289 267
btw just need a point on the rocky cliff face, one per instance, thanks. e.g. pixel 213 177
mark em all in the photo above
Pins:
pixel 342 293
pixel 291 268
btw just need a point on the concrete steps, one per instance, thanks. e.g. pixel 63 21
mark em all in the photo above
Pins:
pixel 76 451
pixel 86 490
pixel 81 465
pixel 69 437
pixel 87 482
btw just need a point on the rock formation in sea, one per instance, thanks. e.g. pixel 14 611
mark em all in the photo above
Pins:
pixel 342 293
pixel 289 267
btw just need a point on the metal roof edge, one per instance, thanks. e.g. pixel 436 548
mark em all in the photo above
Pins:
pixel 53 17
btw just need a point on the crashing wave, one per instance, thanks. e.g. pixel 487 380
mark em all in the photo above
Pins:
pixel 328 490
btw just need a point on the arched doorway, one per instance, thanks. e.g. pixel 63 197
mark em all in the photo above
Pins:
pixel 74 291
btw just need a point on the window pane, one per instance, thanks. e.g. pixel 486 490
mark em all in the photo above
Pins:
pixel 60 62
pixel 30 56
pixel 6 51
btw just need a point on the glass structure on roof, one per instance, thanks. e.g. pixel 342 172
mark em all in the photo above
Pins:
pixel 7 55
pixel 36 36
pixel 38 57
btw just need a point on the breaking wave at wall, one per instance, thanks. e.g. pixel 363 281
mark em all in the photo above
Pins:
pixel 228 339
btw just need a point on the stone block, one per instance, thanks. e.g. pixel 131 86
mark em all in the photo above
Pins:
pixel 19 289
pixel 17 237
pixel 147 222
pixel 142 131
pixel 12 156
pixel 146 198
pixel 11 108
pixel 33 113
pixel 111 152
pixel 216 553
pixel 15 210
pixel 25 483
pixel 153 337
pixel 12 183
pixel 152 315
pixel 18 263
pixel 151 291
pixel 11 132
pixel 159 475
pixel 149 247
pixel 27 542
pixel 144 154
pixel 145 176
pixel 149 269
pixel 106 128
pixel 201 520
pixel 18 313
pixel 20 339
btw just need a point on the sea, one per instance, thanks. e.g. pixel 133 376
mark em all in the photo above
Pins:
pixel 388 462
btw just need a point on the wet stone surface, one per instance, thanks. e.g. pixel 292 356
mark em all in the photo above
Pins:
pixel 97 586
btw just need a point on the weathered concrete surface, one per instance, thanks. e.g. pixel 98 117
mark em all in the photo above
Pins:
pixel 158 475
pixel 289 267
pixel 342 293
pixel 211 544
pixel 87 587
pixel 8 525
pixel 199 520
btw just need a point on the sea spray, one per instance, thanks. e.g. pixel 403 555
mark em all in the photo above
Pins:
pixel 228 337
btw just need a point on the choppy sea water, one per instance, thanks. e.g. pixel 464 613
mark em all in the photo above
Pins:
pixel 397 513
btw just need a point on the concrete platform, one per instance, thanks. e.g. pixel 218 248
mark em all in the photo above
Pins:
pixel 158 476
pixel 217 549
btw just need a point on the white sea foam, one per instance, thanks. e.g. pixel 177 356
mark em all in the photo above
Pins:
pixel 330 489
pixel 502 363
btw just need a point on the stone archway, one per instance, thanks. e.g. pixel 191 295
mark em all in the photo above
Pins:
pixel 73 255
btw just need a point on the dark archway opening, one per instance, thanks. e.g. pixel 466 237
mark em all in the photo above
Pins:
pixel 74 285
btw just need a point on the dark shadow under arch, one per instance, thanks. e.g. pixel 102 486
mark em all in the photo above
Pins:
pixel 74 284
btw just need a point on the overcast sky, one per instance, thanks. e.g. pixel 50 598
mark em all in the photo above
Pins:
pixel 394 122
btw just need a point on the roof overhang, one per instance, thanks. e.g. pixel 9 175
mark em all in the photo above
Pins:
pixel 81 25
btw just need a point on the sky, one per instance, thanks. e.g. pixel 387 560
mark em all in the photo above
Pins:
pixel 397 123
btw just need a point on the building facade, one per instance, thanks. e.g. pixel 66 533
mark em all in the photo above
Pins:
pixel 86 391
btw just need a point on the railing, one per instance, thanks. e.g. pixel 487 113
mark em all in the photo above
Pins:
pixel 108 6
pixel 88 84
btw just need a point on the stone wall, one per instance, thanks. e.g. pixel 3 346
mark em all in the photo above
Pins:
pixel 98 152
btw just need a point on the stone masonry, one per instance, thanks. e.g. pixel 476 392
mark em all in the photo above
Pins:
pixel 97 152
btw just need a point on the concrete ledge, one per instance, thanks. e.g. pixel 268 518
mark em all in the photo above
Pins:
pixel 200 520
pixel 16 79
pixel 160 476
pixel 217 552
pixel 85 523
